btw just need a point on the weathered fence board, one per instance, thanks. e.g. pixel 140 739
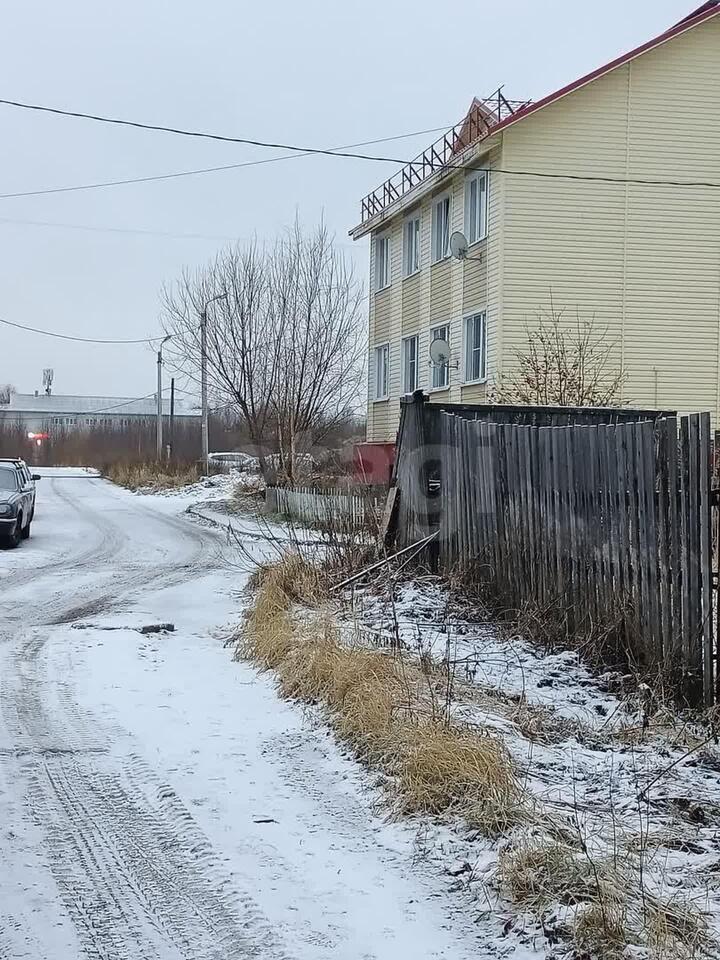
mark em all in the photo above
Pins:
pixel 322 507
pixel 611 522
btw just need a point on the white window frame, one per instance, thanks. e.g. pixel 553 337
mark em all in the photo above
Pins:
pixel 471 348
pixel 411 245
pixel 382 241
pixel 410 364
pixel 482 180
pixel 443 372
pixel 436 255
pixel 381 391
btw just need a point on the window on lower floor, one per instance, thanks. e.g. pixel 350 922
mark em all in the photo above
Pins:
pixel 475 347
pixel 410 364
pixel 441 370
pixel 382 371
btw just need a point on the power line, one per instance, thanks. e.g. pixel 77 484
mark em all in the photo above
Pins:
pixel 196 134
pixel 346 152
pixel 125 403
pixel 119 230
pixel 65 336
pixel 203 170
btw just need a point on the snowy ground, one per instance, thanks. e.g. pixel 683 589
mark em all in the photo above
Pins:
pixel 157 800
pixel 582 751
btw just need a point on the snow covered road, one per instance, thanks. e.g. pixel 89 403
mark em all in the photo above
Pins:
pixel 157 800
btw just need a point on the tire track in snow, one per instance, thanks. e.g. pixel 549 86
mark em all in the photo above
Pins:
pixel 139 879
pixel 100 550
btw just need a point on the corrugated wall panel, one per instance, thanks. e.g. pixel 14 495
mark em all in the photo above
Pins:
pixel 642 260
pixel 411 304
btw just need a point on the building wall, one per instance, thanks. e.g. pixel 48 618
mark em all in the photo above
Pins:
pixel 61 423
pixel 439 294
pixel 639 262
pixel 642 262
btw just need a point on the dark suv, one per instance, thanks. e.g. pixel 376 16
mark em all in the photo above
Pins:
pixel 17 501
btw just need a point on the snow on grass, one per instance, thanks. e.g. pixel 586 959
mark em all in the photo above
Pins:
pixel 630 794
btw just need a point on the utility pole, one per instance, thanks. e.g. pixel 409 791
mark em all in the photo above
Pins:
pixel 203 382
pixel 159 400
pixel 205 452
pixel 159 406
pixel 172 415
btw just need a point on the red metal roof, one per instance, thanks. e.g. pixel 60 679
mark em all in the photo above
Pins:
pixel 706 6
pixel 706 12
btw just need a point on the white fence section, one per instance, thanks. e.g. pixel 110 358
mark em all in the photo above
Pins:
pixel 322 506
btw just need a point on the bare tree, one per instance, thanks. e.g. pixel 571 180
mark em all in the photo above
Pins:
pixel 284 337
pixel 564 363
pixel 318 303
pixel 7 391
pixel 242 350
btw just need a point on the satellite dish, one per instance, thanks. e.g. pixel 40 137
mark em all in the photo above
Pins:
pixel 439 352
pixel 458 245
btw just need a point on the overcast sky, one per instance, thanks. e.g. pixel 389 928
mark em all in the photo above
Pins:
pixel 313 72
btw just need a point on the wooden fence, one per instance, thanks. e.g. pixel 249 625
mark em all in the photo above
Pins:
pixel 610 522
pixel 323 507
pixel 421 455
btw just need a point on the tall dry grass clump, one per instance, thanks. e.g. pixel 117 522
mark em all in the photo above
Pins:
pixel 383 706
pixel 152 475
pixel 613 907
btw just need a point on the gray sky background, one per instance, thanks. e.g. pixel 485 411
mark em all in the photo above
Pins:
pixel 314 72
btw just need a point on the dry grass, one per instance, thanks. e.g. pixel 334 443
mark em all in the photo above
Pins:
pixel 393 714
pixel 443 769
pixel 614 908
pixel 156 476
pixel 385 707
pixel 601 930
pixel 538 872
pixel 292 579
pixel 676 929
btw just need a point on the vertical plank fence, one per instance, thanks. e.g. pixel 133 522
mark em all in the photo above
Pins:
pixel 323 507
pixel 609 523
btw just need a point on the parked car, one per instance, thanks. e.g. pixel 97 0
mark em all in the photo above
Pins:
pixel 17 501
pixel 25 473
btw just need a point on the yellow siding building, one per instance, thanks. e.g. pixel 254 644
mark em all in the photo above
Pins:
pixel 604 196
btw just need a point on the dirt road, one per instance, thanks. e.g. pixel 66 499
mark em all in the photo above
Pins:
pixel 157 800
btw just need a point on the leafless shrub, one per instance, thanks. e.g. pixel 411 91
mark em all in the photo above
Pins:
pixel 566 361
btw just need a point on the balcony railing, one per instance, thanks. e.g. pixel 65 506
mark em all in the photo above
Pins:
pixel 478 123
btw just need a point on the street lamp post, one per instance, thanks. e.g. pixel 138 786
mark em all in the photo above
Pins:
pixel 203 381
pixel 159 399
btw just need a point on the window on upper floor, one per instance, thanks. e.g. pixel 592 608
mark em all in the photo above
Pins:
pixel 410 364
pixel 441 371
pixel 440 240
pixel 476 206
pixel 382 371
pixel 475 347
pixel 382 261
pixel 411 246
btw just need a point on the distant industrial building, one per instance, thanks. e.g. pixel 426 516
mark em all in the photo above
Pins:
pixel 47 413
